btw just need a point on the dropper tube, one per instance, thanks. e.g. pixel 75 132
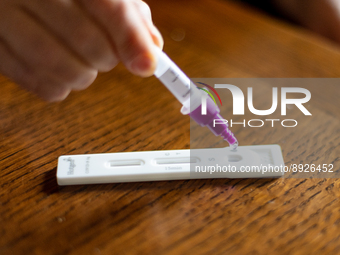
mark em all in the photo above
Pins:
pixel 188 94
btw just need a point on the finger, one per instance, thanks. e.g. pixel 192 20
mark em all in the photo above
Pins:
pixel 12 67
pixel 47 58
pixel 48 90
pixel 131 38
pixel 145 13
pixel 76 30
pixel 143 8
pixel 18 72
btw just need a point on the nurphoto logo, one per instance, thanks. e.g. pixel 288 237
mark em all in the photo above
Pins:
pixel 239 103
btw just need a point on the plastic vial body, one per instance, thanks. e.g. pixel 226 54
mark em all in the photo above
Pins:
pixel 190 97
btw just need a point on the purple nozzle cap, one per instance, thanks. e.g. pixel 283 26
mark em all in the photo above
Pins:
pixel 214 122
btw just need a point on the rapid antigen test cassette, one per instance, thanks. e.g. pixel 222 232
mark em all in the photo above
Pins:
pixel 257 161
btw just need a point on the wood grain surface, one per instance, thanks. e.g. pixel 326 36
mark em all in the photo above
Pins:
pixel 121 112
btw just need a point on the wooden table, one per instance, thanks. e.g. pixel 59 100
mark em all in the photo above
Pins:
pixel 120 112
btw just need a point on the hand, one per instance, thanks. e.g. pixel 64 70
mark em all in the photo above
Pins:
pixel 51 47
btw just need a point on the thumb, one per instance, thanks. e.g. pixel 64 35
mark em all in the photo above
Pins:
pixel 144 10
